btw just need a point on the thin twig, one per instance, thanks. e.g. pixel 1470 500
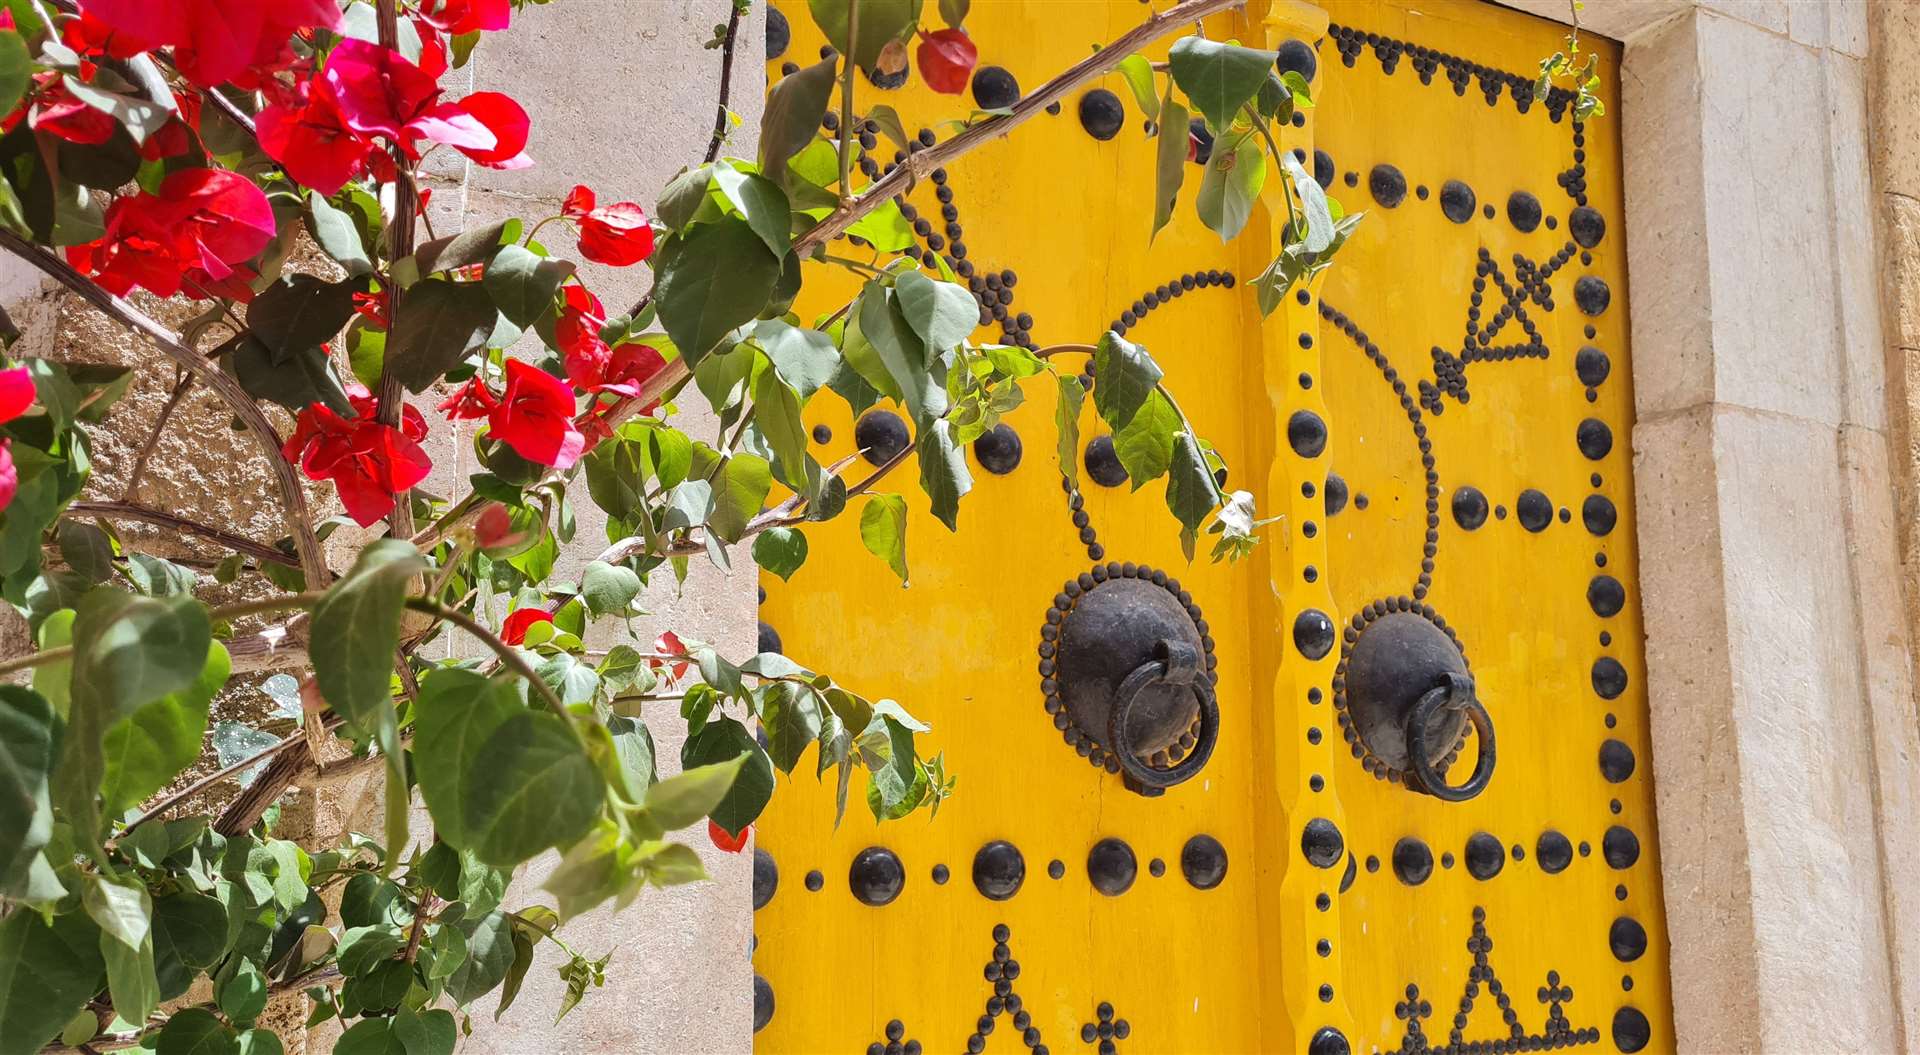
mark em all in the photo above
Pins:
pixel 179 393
pixel 391 393
pixel 293 495
pixel 333 721
pixel 174 522
pixel 726 85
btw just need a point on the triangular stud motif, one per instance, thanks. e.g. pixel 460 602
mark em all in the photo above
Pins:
pixel 1557 1033
pixel 1530 283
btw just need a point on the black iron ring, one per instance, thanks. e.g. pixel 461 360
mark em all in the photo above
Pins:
pixel 1178 663
pixel 1455 692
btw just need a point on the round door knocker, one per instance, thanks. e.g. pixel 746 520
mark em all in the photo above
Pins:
pixel 1406 699
pixel 1126 665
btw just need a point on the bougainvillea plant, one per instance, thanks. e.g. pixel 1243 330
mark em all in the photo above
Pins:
pixel 183 148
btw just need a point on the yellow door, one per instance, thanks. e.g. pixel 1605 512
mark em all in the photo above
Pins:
pixel 1442 422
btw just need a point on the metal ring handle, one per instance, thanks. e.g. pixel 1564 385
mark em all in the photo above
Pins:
pixel 1174 662
pixel 1455 692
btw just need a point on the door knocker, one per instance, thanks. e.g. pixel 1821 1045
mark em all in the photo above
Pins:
pixel 1127 669
pixel 1406 699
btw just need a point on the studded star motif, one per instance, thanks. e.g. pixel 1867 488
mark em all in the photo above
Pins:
pixel 1105 1030
pixel 1530 283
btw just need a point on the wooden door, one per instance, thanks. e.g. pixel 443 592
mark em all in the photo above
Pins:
pixel 1442 421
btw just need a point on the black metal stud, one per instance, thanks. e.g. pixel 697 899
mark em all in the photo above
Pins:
pixel 766 878
pixel 1457 201
pixel 1586 226
pixel 1591 294
pixel 1111 866
pixel 1609 677
pixel 999 869
pixel 1204 862
pixel 1297 56
pixel 876 876
pixel 1631 1030
pixel 1102 114
pixel 1627 938
pixel 1469 507
pixel 1616 760
pixel 769 639
pixel 1336 494
pixel 1620 847
pixel 1203 140
pixel 1534 510
pixel 1591 365
pixel 1388 185
pixel 1329 1041
pixel 1103 463
pixel 880 435
pixel 762 1003
pixel 1598 513
pixel 1313 633
pixel 994 88
pixel 1412 861
pixel 779 34
pixel 1323 169
pixel 1554 852
pixel 1306 434
pixel 1594 438
pixel 1485 856
pixel 822 434
pixel 1606 595
pixel 815 880
pixel 998 450
pixel 1523 211
pixel 1320 840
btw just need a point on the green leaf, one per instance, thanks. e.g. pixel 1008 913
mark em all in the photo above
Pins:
pixel 148 748
pixel 354 641
pixel 1191 491
pixel 48 971
pixel 886 228
pixel 761 201
pixel 790 715
pixel 954 12
pixel 197 1031
pixel 710 280
pixel 1145 446
pixel 475 245
pixel 338 234
pixel 261 1041
pixel 299 312
pixel 431 1032
pixel 795 105
pixel 888 121
pixel 294 379
pixel 726 740
pixel 943 472
pixel 363 949
pixel 243 995
pixel 124 913
pixel 439 324
pixel 879 22
pixel 1138 73
pixel 16 70
pixel 500 780
pixel 28 742
pixel 156 577
pixel 1170 161
pixel 904 356
pixel 685 195
pixel 370 1036
pixel 141 117
pixel 1313 203
pixel 741 492
pixel 189 936
pixel 688 796
pixel 1230 187
pixel 883 529
pixel 780 550
pixel 85 547
pixel 522 284
pixel 1218 78
pixel 777 416
pixel 608 588
pixel 1127 375
pixel 489 957
pixel 128 652
pixel 941 313
pixel 1066 420
pixel 806 359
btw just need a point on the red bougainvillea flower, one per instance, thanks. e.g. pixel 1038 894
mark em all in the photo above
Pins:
pixel 373 308
pixel 199 229
pixel 91 37
pixel 617 235
pixel 16 395
pixel 56 111
pixel 727 841
pixel 454 17
pixel 312 141
pixel 215 40
pixel 669 644
pixel 370 464
pixel 514 630
pixel 577 333
pixel 470 402
pixel 947 59
pixel 493 528
pixel 535 417
pixel 509 124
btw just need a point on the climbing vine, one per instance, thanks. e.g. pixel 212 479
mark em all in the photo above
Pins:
pixel 185 148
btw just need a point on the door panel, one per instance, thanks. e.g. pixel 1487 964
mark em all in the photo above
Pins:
pixel 1279 950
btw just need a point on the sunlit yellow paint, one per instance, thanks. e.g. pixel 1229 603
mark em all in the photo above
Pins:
pixel 1236 969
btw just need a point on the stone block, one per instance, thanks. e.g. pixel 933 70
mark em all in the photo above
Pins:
pixel 1857 277
pixel 1894 95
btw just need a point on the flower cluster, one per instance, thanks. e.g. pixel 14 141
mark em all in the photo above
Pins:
pixel 617 235
pixel 369 463
pixel 16 395
pixel 196 233
pixel 217 41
